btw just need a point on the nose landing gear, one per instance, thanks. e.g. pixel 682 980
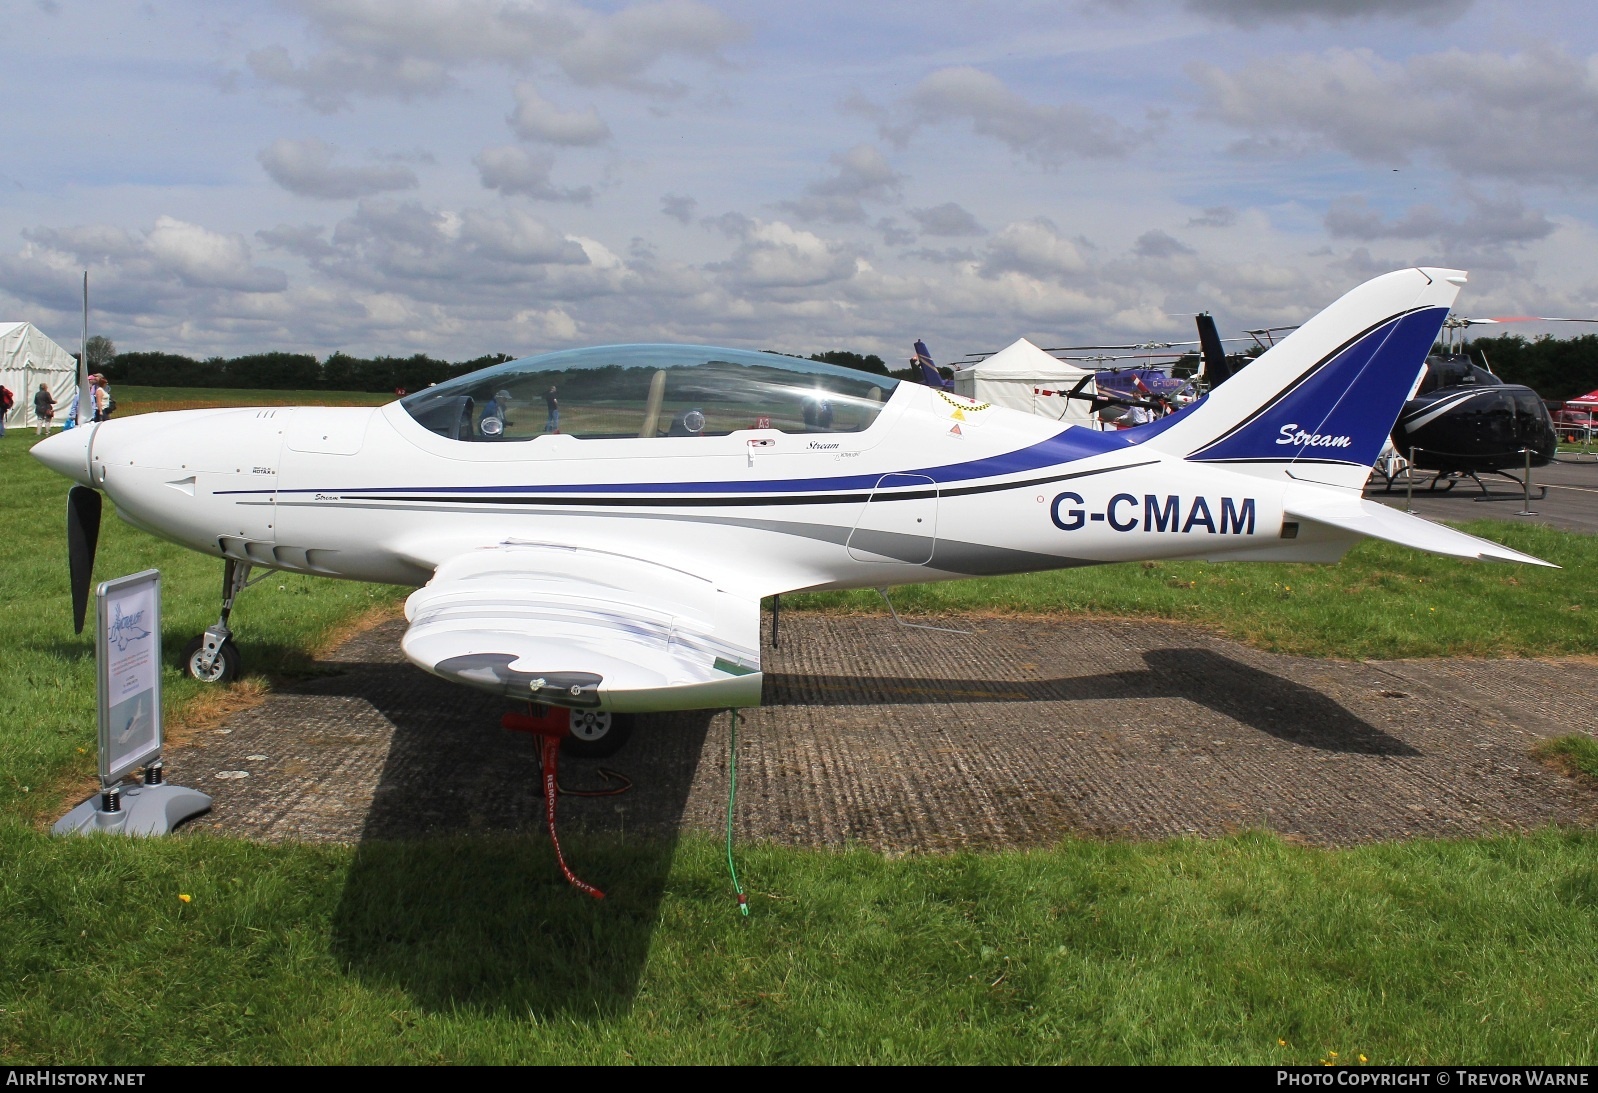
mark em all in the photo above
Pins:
pixel 595 734
pixel 212 657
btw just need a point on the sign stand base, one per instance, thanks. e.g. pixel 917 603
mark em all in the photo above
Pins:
pixel 127 658
pixel 144 810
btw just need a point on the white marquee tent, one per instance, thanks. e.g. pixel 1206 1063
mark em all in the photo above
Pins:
pixel 1024 377
pixel 27 359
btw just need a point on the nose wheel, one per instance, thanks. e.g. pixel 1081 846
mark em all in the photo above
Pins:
pixel 223 665
pixel 212 657
pixel 596 734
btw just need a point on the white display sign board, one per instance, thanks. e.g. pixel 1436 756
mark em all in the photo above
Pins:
pixel 128 652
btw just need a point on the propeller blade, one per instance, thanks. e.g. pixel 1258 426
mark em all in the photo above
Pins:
pixel 83 535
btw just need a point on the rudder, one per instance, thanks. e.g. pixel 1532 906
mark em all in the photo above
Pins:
pixel 1319 405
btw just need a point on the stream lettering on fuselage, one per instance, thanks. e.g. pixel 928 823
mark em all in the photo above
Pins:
pixel 1168 514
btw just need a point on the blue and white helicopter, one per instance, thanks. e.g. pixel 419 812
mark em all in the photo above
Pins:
pixel 593 530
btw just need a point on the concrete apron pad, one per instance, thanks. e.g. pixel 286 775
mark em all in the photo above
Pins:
pixel 1017 734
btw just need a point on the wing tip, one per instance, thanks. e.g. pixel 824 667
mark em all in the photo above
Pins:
pixel 1516 557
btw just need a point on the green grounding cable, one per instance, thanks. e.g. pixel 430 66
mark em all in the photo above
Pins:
pixel 732 796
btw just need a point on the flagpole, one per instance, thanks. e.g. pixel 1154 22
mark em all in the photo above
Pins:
pixel 83 356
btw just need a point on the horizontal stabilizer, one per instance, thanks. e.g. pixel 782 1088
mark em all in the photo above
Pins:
pixel 1378 521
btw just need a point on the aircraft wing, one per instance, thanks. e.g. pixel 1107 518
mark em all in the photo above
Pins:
pixel 585 628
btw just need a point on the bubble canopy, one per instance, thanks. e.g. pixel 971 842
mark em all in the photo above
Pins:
pixel 615 392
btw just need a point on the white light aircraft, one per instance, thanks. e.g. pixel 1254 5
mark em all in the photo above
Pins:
pixel 594 529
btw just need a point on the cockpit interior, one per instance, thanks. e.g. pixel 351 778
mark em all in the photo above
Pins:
pixel 633 391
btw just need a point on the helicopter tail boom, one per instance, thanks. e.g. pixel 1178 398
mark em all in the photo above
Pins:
pixel 1319 405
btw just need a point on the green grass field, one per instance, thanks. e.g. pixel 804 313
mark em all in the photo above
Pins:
pixel 145 400
pixel 1381 601
pixel 1245 949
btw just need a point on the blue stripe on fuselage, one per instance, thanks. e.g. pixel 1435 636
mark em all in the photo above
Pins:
pixel 1065 447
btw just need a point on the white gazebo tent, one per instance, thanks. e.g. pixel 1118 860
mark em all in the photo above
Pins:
pixel 1024 377
pixel 27 359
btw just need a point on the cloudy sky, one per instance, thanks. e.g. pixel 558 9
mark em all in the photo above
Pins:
pixel 460 177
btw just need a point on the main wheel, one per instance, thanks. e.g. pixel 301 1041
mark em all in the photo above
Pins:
pixel 227 666
pixel 596 734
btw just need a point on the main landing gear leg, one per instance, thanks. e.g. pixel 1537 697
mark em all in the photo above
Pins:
pixel 213 657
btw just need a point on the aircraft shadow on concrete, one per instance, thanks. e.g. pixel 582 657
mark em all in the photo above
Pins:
pixel 455 897
pixel 1270 704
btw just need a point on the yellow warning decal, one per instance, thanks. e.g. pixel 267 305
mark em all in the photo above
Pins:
pixel 960 404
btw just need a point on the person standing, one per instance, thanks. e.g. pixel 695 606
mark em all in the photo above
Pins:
pixel 6 401
pixel 43 410
pixel 552 425
pixel 104 404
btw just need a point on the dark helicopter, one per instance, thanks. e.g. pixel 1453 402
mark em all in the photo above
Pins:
pixel 1463 421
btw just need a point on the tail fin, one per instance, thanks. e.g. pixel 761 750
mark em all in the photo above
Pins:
pixel 1319 404
pixel 1217 369
pixel 929 371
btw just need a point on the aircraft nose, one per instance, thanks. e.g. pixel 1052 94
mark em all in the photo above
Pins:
pixel 67 453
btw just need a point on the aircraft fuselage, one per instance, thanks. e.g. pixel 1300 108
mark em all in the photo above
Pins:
pixel 936 488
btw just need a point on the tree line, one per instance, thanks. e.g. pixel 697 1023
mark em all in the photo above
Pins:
pixel 1556 368
pixel 289 371
pixel 338 372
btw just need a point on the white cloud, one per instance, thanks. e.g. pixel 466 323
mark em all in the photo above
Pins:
pixel 203 258
pixel 328 79
pixel 1155 243
pixel 1248 13
pixel 305 167
pixel 1215 216
pixel 1531 115
pixel 965 241
pixel 513 236
pixel 1044 133
pixel 544 325
pixel 408 48
pixel 171 252
pixel 1493 222
pixel 446 256
pixel 893 234
pixel 861 174
pixel 772 254
pixel 1033 247
pixel 514 171
pixel 304 240
pixel 448 31
pixel 679 207
pixel 620 48
pixel 174 268
pixel 536 118
pixel 946 220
